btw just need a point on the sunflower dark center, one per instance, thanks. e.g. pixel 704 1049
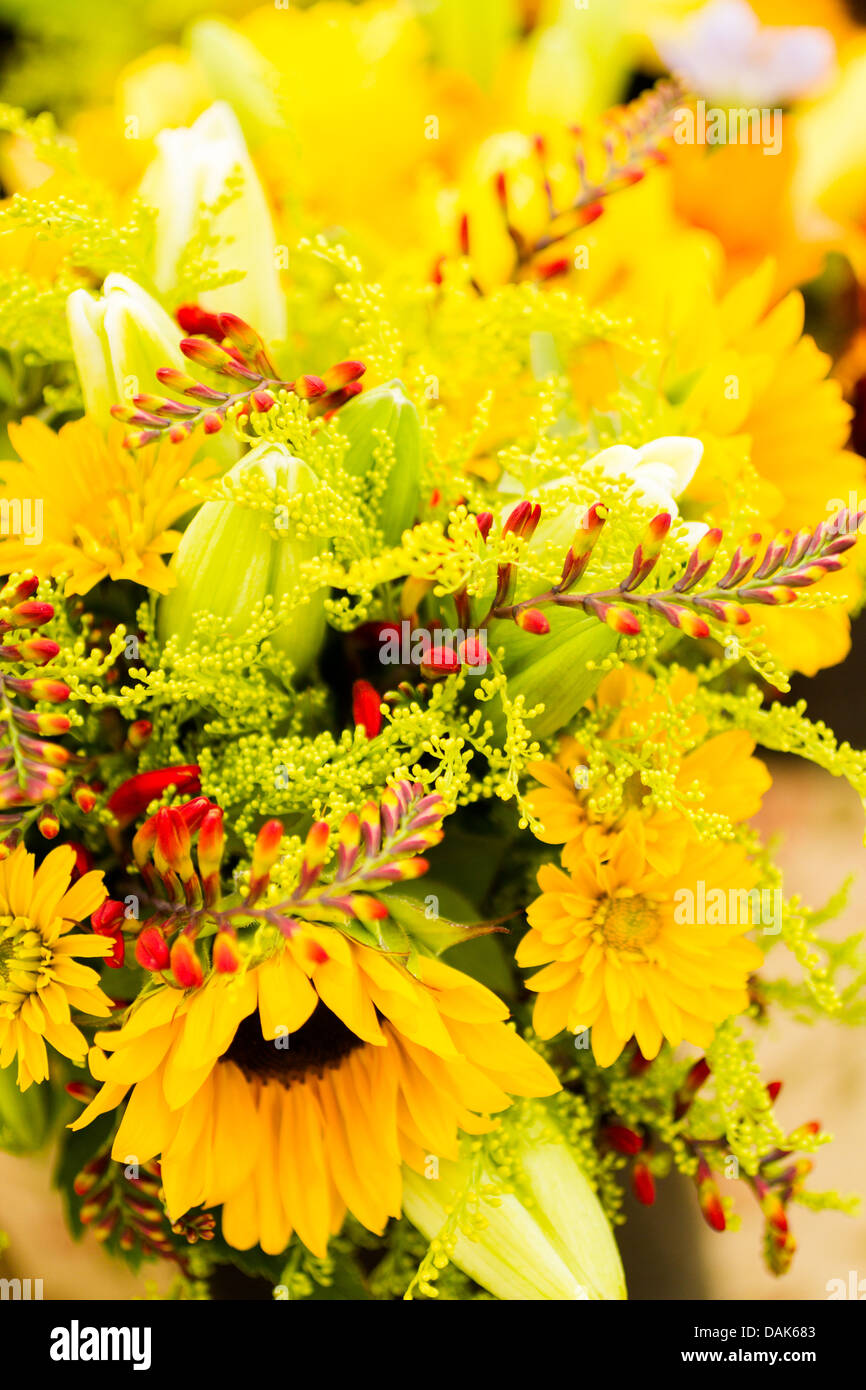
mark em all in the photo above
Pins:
pixel 321 1043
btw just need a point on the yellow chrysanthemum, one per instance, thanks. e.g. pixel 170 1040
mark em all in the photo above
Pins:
pixel 40 979
pixel 616 959
pixel 105 514
pixel 718 774
pixel 295 1092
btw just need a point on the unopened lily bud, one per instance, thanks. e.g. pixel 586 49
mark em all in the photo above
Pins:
pixel 484 521
pixel 192 171
pixel 118 341
pixel 558 1246
pixel 151 950
pixel 229 562
pixel 239 73
pixel 185 964
pixel 559 672
pixel 385 421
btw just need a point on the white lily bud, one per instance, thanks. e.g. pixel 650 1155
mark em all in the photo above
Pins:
pixel 196 168
pixel 119 340
pixel 549 1241
pixel 228 562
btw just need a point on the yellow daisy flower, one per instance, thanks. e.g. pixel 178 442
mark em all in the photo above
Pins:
pixel 105 514
pixel 294 1092
pixel 40 979
pixel 731 781
pixel 621 962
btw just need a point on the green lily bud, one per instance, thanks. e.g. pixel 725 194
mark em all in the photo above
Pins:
pixel 196 168
pixel 238 73
pixel 119 340
pixel 472 39
pixel 386 414
pixel 547 1239
pixel 552 669
pixel 25 1116
pixel 228 561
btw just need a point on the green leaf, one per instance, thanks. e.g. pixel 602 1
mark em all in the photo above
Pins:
pixel 434 931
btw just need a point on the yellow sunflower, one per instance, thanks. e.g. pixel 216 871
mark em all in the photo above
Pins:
pixel 294 1092
pixel 620 957
pixel 40 979
pixel 104 513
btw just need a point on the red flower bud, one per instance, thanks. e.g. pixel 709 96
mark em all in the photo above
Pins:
pixel 151 949
pixel 643 1184
pixel 226 956
pixel 532 620
pixel 623 1139
pixel 135 794
pixel 48 823
pixel 365 708
pixel 185 964
pixel 106 919
pixel 195 320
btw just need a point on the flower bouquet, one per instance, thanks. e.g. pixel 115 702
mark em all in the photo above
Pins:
pixel 412 512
